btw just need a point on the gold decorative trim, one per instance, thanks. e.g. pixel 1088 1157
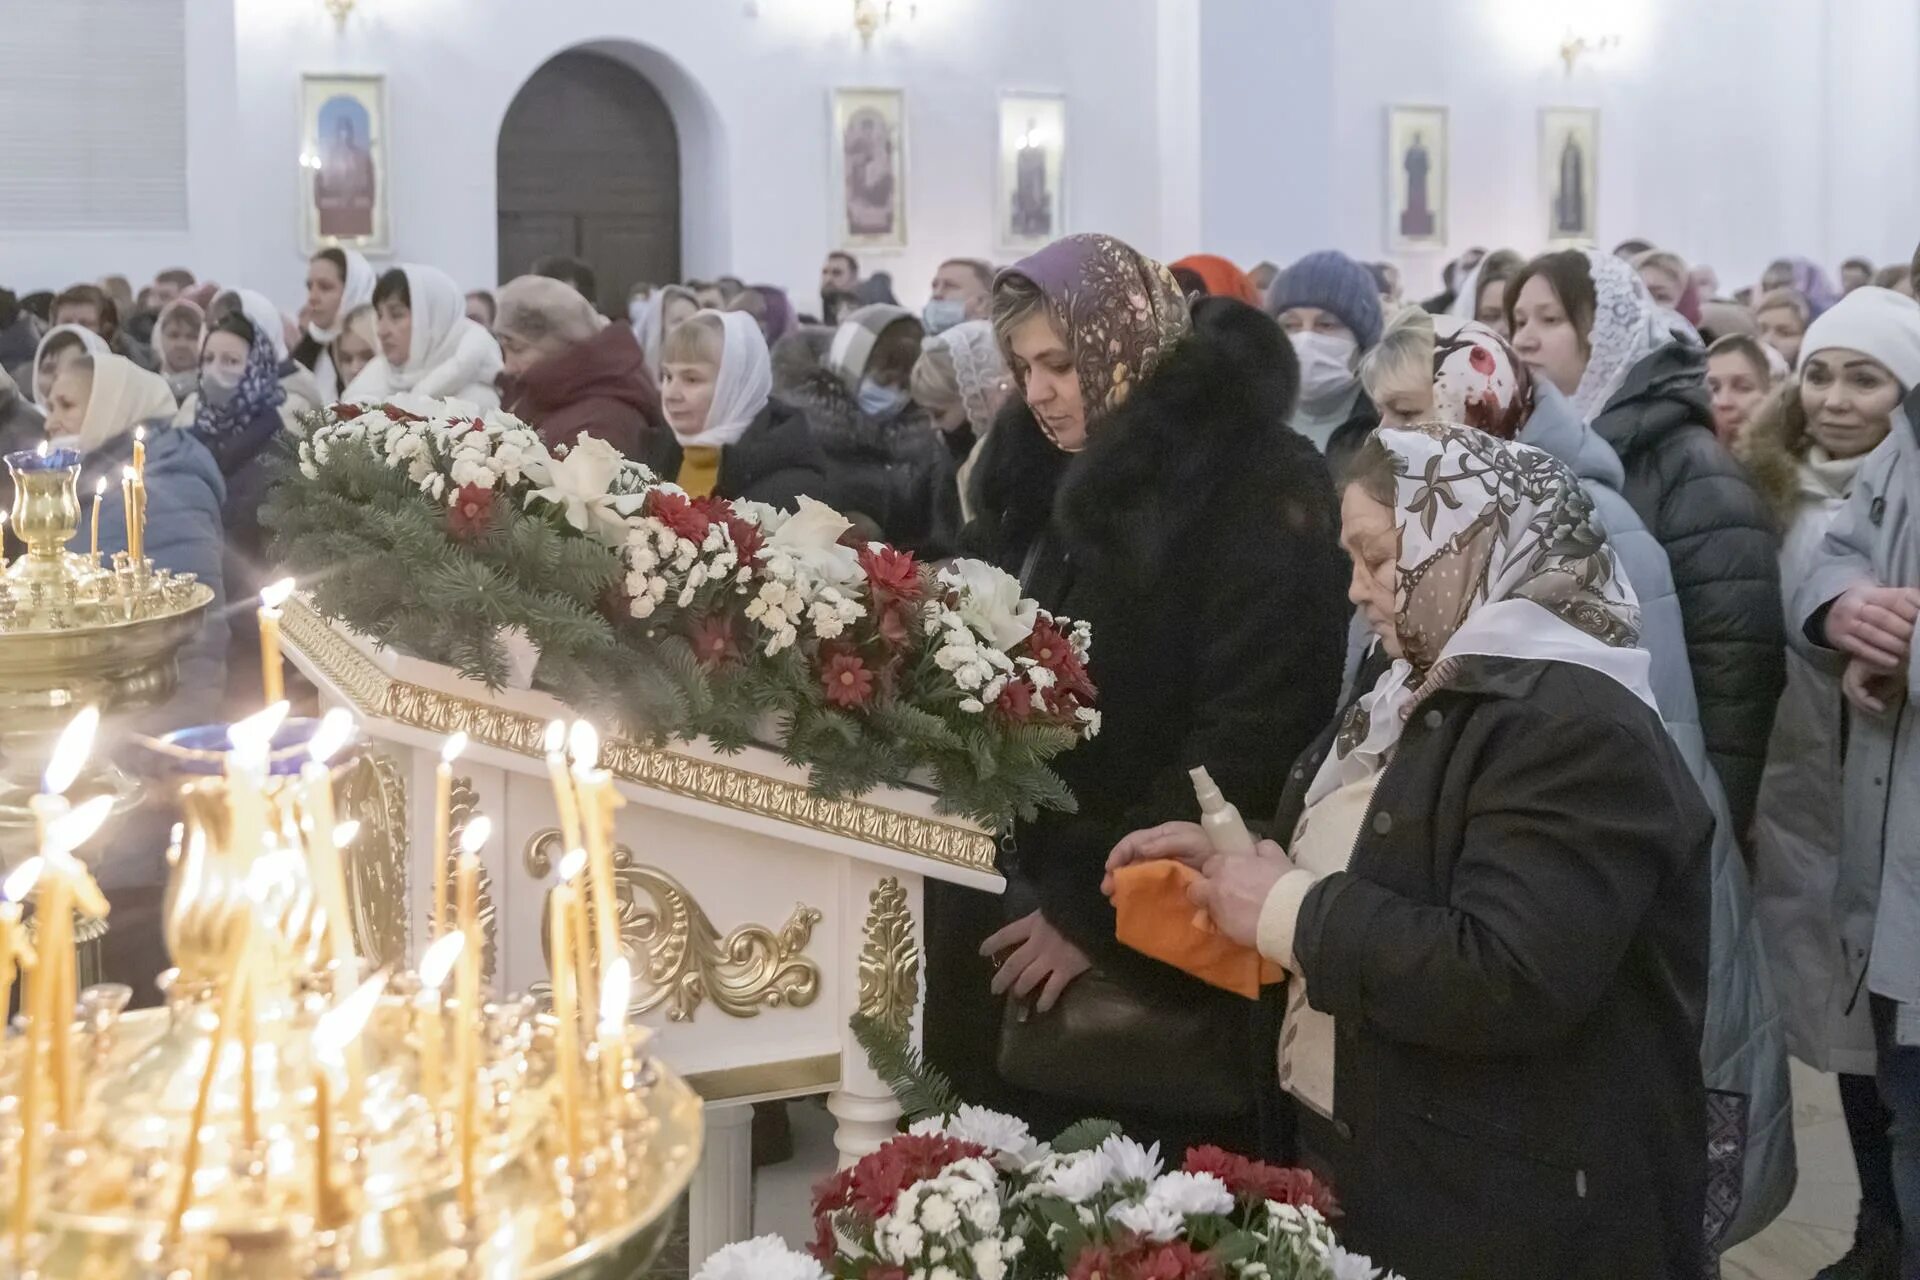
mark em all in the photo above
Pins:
pixel 680 958
pixel 794 1076
pixel 377 694
pixel 373 790
pixel 889 959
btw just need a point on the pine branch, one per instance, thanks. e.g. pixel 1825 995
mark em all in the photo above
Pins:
pixel 921 1089
pixel 1084 1135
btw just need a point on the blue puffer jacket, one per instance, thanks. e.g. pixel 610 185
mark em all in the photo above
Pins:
pixel 184 494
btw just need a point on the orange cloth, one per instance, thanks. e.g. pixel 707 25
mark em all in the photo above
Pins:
pixel 1157 919
pixel 1223 279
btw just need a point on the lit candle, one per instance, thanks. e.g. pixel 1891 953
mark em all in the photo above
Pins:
pixel 430 1018
pixel 337 1029
pixel 566 1044
pixel 54 973
pixel 613 1032
pixel 572 867
pixel 247 765
pixel 597 803
pixel 442 826
pixel 99 492
pixel 130 504
pixel 18 885
pixel 323 837
pixel 468 905
pixel 140 455
pixel 563 795
pixel 272 676
pixel 238 942
pixel 15 955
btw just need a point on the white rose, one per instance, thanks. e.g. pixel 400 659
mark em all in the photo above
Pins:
pixel 990 601
pixel 580 482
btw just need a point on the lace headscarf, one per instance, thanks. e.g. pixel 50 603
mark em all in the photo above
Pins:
pixel 978 369
pixel 1628 326
pixel 259 389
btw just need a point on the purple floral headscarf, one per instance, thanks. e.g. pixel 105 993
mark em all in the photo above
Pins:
pixel 1810 278
pixel 1120 310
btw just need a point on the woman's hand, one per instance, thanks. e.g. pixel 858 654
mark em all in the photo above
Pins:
pixel 1181 841
pixel 1874 625
pixel 1042 958
pixel 1870 689
pixel 1234 890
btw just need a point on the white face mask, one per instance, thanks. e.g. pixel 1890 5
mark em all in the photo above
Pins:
pixel 1326 366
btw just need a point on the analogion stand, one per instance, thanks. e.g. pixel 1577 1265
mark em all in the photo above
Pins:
pixel 758 918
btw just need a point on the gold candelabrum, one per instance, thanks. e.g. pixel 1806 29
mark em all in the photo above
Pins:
pixel 288 1115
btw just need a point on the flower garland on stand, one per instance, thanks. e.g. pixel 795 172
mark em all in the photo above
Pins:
pixel 437 529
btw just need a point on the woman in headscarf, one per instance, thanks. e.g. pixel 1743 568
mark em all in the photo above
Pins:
pixel 302 389
pixel 1472 376
pixel 1221 278
pixel 962 380
pixel 357 345
pixel 96 403
pixel 1809 448
pixel 58 346
pixel 727 437
pixel 428 347
pixel 1145 482
pixel 338 281
pixel 1805 276
pixel 1782 316
pixel 1483 295
pixel 1669 282
pixel 667 308
pixel 1493 896
pixel 569 373
pixel 177 336
pixel 1583 321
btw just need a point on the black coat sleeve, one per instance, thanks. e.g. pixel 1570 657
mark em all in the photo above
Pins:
pixel 1720 540
pixel 1573 823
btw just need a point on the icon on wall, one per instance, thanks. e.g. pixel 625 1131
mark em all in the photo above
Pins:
pixel 1031 190
pixel 1416 178
pixel 343 162
pixel 1569 168
pixel 869 157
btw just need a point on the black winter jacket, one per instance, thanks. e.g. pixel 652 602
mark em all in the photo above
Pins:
pixel 775 462
pixel 1719 535
pixel 1516 960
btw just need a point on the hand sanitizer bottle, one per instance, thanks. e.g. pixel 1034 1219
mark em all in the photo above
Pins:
pixel 1218 818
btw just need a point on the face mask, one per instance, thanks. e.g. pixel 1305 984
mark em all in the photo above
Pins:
pixel 877 401
pixel 1326 365
pixel 217 388
pixel 942 314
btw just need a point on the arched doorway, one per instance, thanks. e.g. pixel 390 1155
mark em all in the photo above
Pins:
pixel 589 166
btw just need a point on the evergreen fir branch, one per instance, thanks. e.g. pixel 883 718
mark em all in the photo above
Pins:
pixel 1084 1135
pixel 922 1089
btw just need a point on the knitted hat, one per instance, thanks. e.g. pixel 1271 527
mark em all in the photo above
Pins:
pixel 1875 322
pixel 854 341
pixel 1331 281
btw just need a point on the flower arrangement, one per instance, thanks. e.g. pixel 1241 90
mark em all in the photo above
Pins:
pixel 438 529
pixel 972 1196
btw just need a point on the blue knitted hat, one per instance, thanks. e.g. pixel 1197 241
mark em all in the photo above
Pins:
pixel 1331 281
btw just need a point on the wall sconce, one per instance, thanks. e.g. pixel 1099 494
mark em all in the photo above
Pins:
pixel 869 16
pixel 341 11
pixel 1576 44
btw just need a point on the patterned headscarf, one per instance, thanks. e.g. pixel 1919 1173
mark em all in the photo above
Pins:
pixel 1478 379
pixel 1628 326
pixel 1118 309
pixel 1488 529
pixel 259 389
pixel 1811 279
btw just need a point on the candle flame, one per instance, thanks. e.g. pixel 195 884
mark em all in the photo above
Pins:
pixel 584 740
pixel 127 473
pixel 69 831
pixel 572 865
pixel 252 738
pixel 20 881
pixel 615 986
pixel 277 594
pixel 454 748
pixel 44 446
pixel 556 737
pixel 346 833
pixel 100 487
pixel 336 728
pixel 479 830
pixel 70 753
pixel 341 1025
pixel 440 958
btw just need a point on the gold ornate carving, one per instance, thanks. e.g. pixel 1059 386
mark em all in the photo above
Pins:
pixel 377 694
pixel 680 959
pixel 372 790
pixel 889 959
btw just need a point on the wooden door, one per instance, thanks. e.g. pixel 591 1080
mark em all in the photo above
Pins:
pixel 589 166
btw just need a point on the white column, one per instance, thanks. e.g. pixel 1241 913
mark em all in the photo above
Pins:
pixel 863 1104
pixel 720 1201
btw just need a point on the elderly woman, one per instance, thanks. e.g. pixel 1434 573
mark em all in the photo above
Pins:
pixel 569 372
pixel 1143 481
pixel 1493 896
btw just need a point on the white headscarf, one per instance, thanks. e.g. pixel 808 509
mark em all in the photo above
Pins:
pixel 94 344
pixel 124 396
pixel 652 327
pixel 1628 326
pixel 742 383
pixel 978 367
pixel 357 291
pixel 264 316
pixel 442 336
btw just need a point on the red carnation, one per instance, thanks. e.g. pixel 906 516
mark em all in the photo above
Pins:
pixel 871 1187
pixel 470 513
pixel 1176 1261
pixel 348 412
pixel 892 574
pixel 678 513
pixel 714 641
pixel 1015 702
pixel 846 679
pixel 397 414
pixel 747 539
pixel 1253 1182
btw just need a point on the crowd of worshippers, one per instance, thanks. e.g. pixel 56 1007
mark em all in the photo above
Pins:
pixel 1557 630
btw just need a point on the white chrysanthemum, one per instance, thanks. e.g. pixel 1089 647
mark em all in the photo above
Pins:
pixel 1191 1193
pixel 1089 718
pixel 938 1214
pixel 1130 1161
pixel 1342 1265
pixel 1000 1134
pixel 988 1260
pixel 1076 1178
pixel 1155 1222
pixel 972 706
pixel 767 1258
